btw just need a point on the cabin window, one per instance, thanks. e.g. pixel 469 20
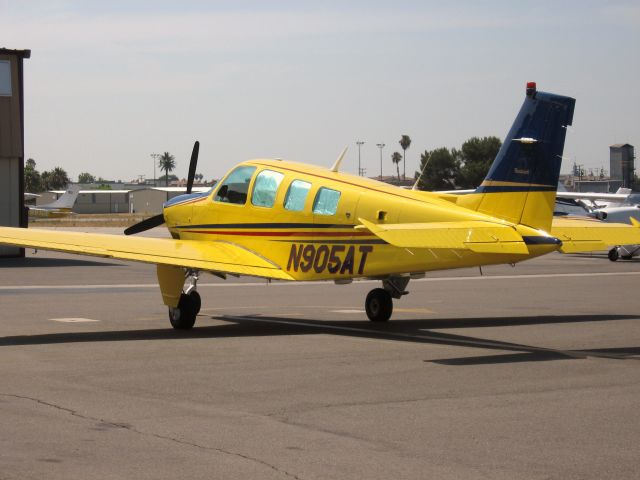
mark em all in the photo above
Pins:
pixel 235 186
pixel 326 202
pixel 297 195
pixel 265 188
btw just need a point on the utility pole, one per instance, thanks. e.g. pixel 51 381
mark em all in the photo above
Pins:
pixel 154 156
pixel 359 143
pixel 380 146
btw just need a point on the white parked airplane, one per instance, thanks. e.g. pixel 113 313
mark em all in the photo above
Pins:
pixel 60 208
pixel 593 200
pixel 616 207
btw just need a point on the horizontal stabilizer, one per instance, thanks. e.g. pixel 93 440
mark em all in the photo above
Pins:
pixel 477 236
pixel 220 257
pixel 587 235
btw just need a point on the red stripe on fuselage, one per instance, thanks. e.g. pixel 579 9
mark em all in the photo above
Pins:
pixel 279 234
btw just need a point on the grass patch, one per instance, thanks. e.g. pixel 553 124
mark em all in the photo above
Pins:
pixel 90 220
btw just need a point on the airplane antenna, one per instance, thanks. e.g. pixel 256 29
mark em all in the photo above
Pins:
pixel 336 165
pixel 415 185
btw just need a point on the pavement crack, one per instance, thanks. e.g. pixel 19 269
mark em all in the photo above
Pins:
pixel 132 429
pixel 58 407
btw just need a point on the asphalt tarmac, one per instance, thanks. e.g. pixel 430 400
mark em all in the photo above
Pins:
pixel 530 372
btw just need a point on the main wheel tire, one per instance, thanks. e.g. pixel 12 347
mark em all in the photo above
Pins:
pixel 379 305
pixel 196 300
pixel 614 254
pixel 184 315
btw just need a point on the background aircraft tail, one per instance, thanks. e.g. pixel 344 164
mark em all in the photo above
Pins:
pixel 67 199
pixel 522 182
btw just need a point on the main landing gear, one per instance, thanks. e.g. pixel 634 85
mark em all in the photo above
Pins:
pixel 379 302
pixel 184 315
pixel 622 252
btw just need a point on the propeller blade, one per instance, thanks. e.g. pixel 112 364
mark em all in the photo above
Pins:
pixel 192 166
pixel 146 224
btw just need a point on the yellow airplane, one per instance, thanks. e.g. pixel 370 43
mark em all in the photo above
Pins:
pixel 290 221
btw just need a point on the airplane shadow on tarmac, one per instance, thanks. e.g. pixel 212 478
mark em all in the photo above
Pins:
pixel 417 331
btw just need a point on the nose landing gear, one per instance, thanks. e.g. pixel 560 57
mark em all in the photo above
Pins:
pixel 183 317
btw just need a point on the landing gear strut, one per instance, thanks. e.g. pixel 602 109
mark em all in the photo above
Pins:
pixel 379 303
pixel 625 252
pixel 184 315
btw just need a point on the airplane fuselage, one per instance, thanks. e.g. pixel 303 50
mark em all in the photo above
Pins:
pixel 312 242
pixel 38 212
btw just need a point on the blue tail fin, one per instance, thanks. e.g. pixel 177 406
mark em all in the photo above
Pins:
pixel 521 184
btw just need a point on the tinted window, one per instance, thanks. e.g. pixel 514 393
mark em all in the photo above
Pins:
pixel 265 188
pixel 296 195
pixel 235 186
pixel 326 202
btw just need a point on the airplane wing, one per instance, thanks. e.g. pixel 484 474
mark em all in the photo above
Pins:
pixel 477 236
pixel 617 197
pixel 587 235
pixel 219 257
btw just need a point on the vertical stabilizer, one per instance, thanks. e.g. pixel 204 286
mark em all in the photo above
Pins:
pixel 522 182
pixel 67 200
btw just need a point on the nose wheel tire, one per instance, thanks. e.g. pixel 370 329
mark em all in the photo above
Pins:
pixel 379 305
pixel 614 254
pixel 184 315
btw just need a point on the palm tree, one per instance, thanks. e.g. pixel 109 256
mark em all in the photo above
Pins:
pixel 32 180
pixel 397 158
pixel 405 142
pixel 59 178
pixel 168 164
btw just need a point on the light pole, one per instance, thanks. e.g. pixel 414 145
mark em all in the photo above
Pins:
pixel 359 143
pixel 154 156
pixel 380 146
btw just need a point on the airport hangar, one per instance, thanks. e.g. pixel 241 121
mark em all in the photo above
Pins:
pixel 12 212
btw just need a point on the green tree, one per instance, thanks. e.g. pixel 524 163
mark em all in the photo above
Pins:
pixel 475 157
pixel 405 142
pixel 56 179
pixel 86 178
pixel 45 177
pixel 59 178
pixel 168 164
pixel 397 158
pixel 32 179
pixel 441 172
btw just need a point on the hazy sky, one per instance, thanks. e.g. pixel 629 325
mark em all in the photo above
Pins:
pixel 109 83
